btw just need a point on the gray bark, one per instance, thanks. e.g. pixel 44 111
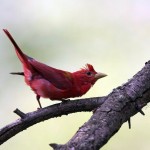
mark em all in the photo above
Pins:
pixel 124 102
pixel 52 111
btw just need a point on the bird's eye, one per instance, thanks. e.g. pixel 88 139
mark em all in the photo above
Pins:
pixel 89 73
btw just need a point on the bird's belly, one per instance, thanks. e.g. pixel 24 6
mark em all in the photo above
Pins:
pixel 41 87
pixel 45 89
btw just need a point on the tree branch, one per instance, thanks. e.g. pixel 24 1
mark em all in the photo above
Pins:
pixel 52 111
pixel 124 102
pixel 112 111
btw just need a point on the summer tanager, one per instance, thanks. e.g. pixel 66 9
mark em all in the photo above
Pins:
pixel 52 83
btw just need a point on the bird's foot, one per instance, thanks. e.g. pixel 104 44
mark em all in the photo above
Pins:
pixel 39 108
pixel 65 100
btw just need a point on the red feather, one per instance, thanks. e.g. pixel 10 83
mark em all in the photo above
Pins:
pixel 59 78
pixel 56 84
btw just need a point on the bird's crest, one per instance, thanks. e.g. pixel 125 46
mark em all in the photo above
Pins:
pixel 88 67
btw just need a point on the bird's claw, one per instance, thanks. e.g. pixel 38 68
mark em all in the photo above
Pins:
pixel 65 100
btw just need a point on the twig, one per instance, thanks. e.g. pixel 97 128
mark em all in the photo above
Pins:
pixel 52 111
pixel 20 113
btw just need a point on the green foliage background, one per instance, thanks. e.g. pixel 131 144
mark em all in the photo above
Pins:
pixel 114 36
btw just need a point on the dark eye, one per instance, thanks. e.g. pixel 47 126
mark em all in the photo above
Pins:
pixel 89 73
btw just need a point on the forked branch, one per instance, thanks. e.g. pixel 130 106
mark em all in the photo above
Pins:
pixel 57 110
pixel 124 102
pixel 112 111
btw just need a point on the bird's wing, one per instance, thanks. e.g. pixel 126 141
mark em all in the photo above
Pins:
pixel 59 78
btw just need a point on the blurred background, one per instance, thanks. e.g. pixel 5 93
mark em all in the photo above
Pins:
pixel 114 36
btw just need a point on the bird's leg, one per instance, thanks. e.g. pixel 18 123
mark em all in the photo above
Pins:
pixel 38 99
pixel 17 73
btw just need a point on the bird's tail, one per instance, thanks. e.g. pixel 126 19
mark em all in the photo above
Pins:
pixel 23 58
pixel 17 73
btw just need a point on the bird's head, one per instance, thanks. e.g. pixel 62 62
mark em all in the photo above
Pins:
pixel 88 75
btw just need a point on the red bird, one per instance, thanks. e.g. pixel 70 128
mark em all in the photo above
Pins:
pixel 52 83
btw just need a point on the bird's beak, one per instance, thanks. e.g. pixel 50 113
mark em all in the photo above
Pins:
pixel 100 75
